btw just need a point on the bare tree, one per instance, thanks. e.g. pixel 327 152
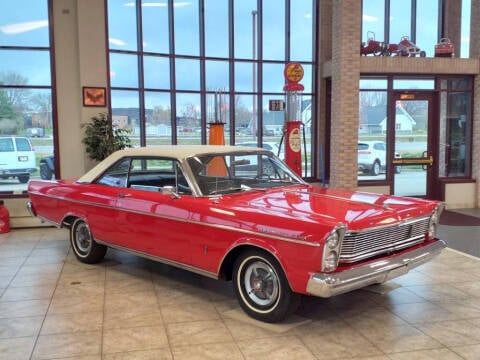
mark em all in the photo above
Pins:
pixel 160 116
pixel 17 97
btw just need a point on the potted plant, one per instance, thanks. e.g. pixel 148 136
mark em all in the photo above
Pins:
pixel 103 138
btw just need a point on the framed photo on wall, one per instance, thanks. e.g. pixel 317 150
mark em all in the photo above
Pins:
pixel 94 96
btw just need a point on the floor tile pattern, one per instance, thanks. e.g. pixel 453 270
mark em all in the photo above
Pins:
pixel 53 307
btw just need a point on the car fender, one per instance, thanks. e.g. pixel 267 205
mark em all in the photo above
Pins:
pixel 69 218
pixel 295 273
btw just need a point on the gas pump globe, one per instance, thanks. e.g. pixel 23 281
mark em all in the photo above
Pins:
pixel 293 113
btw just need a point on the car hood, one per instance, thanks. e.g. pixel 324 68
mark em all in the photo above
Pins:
pixel 357 210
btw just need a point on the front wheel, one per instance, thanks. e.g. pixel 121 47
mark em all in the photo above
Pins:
pixel 262 288
pixel 86 249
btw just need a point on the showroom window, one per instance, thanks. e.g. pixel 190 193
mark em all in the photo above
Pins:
pixel 177 67
pixel 455 127
pixel 25 94
pixel 419 20
pixel 372 130
pixel 393 111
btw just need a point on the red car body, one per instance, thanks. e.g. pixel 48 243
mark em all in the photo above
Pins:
pixel 289 228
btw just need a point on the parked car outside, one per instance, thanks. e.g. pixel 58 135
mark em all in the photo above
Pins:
pixel 17 158
pixel 47 167
pixel 269 145
pixel 35 132
pixel 372 158
pixel 220 212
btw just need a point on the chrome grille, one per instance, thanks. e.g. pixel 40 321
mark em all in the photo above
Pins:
pixel 361 245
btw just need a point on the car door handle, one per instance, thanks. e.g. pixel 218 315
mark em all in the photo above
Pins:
pixel 122 195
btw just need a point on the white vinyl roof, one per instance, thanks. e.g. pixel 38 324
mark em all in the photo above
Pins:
pixel 171 151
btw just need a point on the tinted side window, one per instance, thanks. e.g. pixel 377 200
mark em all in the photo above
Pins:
pixel 116 175
pixel 6 144
pixel 23 144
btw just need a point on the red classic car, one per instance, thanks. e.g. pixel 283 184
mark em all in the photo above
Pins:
pixel 239 213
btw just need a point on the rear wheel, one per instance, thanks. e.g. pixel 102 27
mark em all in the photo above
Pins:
pixel 378 51
pixel 45 172
pixel 375 168
pixel 23 178
pixel 86 249
pixel 262 288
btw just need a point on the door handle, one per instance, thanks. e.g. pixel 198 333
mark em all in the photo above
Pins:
pixel 428 160
pixel 123 195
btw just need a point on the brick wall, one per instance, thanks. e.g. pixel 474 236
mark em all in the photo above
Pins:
pixel 346 20
pixel 475 53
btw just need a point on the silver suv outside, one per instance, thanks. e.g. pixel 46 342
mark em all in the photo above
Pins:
pixel 372 157
pixel 17 158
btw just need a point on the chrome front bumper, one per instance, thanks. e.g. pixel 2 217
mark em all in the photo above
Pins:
pixel 327 285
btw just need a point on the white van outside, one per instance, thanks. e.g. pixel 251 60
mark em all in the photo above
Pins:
pixel 17 158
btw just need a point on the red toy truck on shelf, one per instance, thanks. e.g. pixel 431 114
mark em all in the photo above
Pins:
pixel 444 48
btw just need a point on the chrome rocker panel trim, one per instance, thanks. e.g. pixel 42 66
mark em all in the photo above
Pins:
pixel 326 285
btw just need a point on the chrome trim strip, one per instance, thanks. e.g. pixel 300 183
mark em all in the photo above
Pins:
pixel 161 260
pixel 403 222
pixel 330 284
pixel 215 226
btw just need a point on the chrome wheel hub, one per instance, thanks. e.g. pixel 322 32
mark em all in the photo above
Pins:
pixel 261 283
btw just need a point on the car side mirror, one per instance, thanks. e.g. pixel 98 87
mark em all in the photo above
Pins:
pixel 170 190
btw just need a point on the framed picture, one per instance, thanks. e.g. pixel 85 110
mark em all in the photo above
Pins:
pixel 94 96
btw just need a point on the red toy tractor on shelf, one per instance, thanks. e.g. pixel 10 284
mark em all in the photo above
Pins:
pixel 372 46
pixel 405 48
pixel 379 48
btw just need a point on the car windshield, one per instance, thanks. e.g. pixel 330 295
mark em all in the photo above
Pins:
pixel 240 171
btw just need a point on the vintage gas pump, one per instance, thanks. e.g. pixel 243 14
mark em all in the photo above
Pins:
pixel 217 166
pixel 293 107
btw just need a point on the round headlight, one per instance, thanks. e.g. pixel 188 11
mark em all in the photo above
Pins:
pixel 331 261
pixel 332 241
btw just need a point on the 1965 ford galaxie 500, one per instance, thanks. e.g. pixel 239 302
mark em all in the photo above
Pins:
pixel 240 214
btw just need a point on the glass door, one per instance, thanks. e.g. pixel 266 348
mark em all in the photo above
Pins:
pixel 413 157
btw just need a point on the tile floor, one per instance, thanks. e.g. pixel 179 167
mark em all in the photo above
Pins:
pixel 53 307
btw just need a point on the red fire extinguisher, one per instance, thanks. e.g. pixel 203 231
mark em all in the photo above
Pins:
pixel 4 219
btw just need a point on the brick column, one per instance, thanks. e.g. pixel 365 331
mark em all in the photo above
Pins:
pixel 475 53
pixel 346 20
pixel 453 21
pixel 474 29
pixel 324 44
